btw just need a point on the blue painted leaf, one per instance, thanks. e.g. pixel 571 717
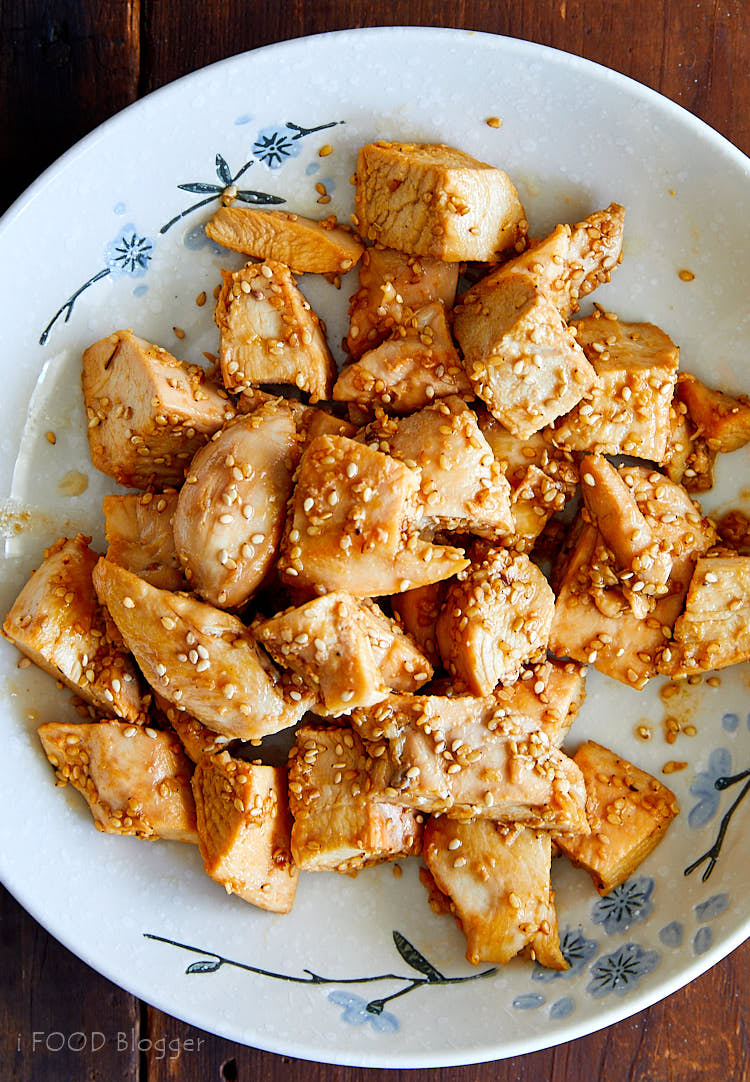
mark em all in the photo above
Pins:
pixel 204 966
pixel 248 196
pixel 712 907
pixel 413 958
pixel 223 171
pixel 201 189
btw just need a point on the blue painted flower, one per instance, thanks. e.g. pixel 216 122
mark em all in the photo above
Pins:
pixel 577 951
pixel 274 145
pixel 355 1013
pixel 704 787
pixel 630 903
pixel 129 252
pixel 620 971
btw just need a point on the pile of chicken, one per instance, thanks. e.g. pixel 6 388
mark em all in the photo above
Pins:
pixel 369 568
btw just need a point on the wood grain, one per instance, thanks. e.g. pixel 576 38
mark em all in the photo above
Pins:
pixel 65 67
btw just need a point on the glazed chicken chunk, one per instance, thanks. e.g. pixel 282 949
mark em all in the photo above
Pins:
pixel 629 811
pixel 714 629
pixel 302 244
pixel 392 288
pixel 201 659
pixel 244 830
pixel 467 757
pixel 347 649
pixel 148 413
pixel 433 200
pixel 628 411
pixel 549 693
pixel 498 879
pixel 339 823
pixel 138 528
pixel 196 738
pixel 417 364
pixel 462 487
pixel 723 421
pixel 232 507
pixel 136 780
pixel 417 611
pixel 521 358
pixel 58 622
pixel 350 524
pixel 496 616
pixel 269 333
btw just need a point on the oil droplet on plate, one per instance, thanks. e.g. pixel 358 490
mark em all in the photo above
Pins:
pixel 74 483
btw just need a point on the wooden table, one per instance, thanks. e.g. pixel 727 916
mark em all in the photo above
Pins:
pixel 68 66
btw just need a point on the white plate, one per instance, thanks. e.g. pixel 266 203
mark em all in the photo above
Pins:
pixel 114 213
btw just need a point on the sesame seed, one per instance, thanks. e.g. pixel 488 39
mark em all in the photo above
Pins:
pixel 128 603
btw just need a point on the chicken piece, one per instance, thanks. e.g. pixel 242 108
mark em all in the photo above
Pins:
pixel 679 443
pixel 462 486
pixel 629 811
pixel 310 421
pixel 148 413
pixel 57 622
pixel 734 531
pixel 495 617
pixel 392 288
pixel 269 332
pixel 699 468
pixel 232 507
pixel 593 621
pixel 418 610
pixel 347 649
pixel 498 878
pixel 196 738
pixel 550 693
pixel 628 411
pixel 433 200
pixel 303 244
pixel 138 528
pixel 714 630
pixel 643 563
pixel 723 421
pixel 468 757
pixel 135 780
pixel 244 830
pixel 572 261
pixel 339 825
pixel 350 526
pixel 519 354
pixel 201 659
pixel 417 364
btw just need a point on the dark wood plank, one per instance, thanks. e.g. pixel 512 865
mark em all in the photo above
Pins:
pixel 58 1018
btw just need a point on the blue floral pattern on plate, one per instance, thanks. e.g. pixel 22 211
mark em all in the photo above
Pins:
pixel 628 904
pixel 129 253
pixel 704 787
pixel 355 1013
pixel 621 971
pixel 577 951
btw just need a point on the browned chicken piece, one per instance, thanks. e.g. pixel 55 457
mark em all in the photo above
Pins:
pixel 244 830
pixel 496 616
pixel 136 780
pixel 57 621
pixel 723 421
pixel 201 659
pixel 350 526
pixel 699 469
pixel 498 878
pixel 417 364
pixel 310 421
pixel 550 693
pixel 628 412
pixel 339 825
pixel 629 811
pixel 643 563
pixel 347 649
pixel 418 610
pixel 679 443
pixel 269 332
pixel 433 200
pixel 542 478
pixel 392 288
pixel 196 738
pixel 468 757
pixel 462 486
pixel 148 413
pixel 232 507
pixel 734 531
pixel 520 356
pixel 714 630
pixel 594 622
pixel 138 528
pixel 303 244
